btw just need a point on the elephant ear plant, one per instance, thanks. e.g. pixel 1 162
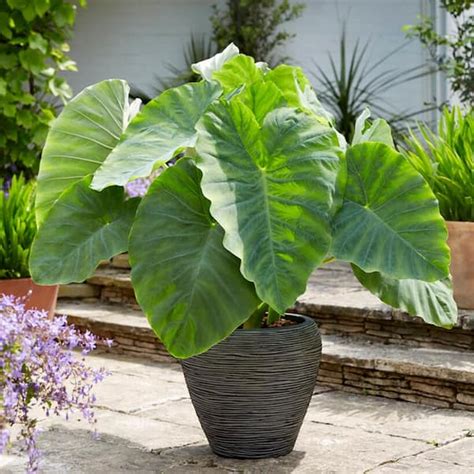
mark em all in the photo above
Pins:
pixel 266 191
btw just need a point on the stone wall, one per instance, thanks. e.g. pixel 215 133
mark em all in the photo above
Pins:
pixel 425 390
pixel 333 373
pixel 378 326
pixel 390 327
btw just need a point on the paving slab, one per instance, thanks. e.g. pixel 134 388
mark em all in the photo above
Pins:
pixel 456 457
pixel 129 393
pixel 342 433
pixel 145 432
pixel 318 449
pixel 180 412
pixel 139 367
pixel 390 417
pixel 77 452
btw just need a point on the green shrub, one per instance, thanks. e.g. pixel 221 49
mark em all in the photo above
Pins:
pixel 452 53
pixel 33 50
pixel 17 227
pixel 446 161
pixel 254 26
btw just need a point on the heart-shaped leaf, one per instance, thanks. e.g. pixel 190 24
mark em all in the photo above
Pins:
pixel 83 228
pixel 237 71
pixel 80 139
pixel 297 91
pixel 186 282
pixel 207 67
pixel 432 301
pixel 272 190
pixel 153 136
pixel 378 131
pixel 389 221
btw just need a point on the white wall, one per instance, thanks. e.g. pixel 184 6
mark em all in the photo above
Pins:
pixel 135 39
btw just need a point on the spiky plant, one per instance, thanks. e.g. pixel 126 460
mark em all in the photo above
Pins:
pixel 17 227
pixel 354 82
pixel 446 161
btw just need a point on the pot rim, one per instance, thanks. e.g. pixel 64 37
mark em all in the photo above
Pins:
pixel 461 223
pixel 28 280
pixel 17 279
pixel 303 322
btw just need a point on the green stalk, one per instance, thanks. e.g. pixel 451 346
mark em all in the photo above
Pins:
pixel 273 316
pixel 255 320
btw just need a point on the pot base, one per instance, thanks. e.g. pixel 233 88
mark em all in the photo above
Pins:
pixel 251 391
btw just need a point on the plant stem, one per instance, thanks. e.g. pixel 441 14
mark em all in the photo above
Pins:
pixel 273 316
pixel 255 320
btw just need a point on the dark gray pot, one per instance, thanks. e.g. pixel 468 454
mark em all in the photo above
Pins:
pixel 251 391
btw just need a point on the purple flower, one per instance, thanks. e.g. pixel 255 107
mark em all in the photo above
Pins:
pixel 4 439
pixel 38 367
pixel 139 187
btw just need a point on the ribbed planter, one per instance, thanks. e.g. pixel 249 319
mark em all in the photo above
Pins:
pixel 251 391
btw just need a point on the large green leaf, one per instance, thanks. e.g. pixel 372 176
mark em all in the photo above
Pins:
pixel 261 98
pixel 80 139
pixel 432 301
pixel 377 131
pixel 389 221
pixel 153 136
pixel 188 285
pixel 81 229
pixel 207 67
pixel 237 71
pixel 297 90
pixel 271 189
pixel 244 80
pixel 289 79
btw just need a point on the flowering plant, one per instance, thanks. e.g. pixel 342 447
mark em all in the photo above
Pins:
pixel 39 370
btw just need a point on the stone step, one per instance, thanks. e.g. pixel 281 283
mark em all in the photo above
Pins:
pixel 79 290
pixel 340 305
pixel 432 376
pixel 120 261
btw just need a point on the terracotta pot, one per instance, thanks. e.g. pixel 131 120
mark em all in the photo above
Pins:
pixel 36 296
pixel 461 243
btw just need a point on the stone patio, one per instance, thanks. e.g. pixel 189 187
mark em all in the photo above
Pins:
pixel 147 424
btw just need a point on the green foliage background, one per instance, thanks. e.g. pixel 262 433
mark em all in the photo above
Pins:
pixel 446 160
pixel 452 53
pixel 17 227
pixel 254 26
pixel 33 52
